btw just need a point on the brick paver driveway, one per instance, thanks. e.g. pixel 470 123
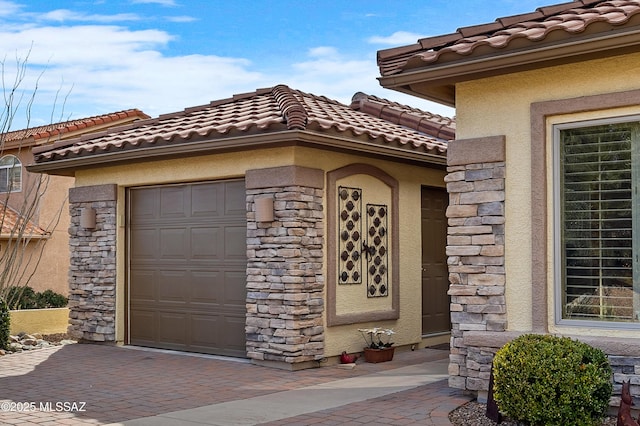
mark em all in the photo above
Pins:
pixel 99 384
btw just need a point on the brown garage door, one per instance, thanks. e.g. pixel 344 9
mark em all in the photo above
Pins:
pixel 187 267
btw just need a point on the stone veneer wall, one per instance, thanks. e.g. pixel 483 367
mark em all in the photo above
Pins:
pixel 92 269
pixel 475 246
pixel 285 285
pixel 475 250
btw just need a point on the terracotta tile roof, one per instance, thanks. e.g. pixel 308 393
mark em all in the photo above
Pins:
pixel 551 24
pixel 272 110
pixel 424 122
pixel 12 225
pixel 40 133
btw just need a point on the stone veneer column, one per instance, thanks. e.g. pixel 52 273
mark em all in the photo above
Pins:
pixel 285 285
pixel 475 250
pixel 92 268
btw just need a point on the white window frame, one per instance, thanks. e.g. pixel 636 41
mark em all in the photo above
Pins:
pixel 17 164
pixel 557 225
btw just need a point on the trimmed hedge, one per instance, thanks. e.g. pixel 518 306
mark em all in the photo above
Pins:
pixel 550 380
pixel 5 323
pixel 26 298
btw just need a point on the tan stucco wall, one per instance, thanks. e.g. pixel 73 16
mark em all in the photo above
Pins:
pixel 43 321
pixel 233 165
pixel 52 271
pixel 501 106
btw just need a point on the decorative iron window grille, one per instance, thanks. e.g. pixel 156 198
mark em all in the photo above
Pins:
pixel 350 235
pixel 353 244
pixel 376 249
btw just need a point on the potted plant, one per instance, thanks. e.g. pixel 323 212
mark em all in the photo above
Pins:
pixel 379 346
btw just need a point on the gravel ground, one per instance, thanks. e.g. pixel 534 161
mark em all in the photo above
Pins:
pixel 473 413
pixel 56 338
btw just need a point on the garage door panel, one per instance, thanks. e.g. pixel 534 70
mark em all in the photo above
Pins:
pixel 144 206
pixel 172 243
pixel 235 292
pixel 172 286
pixel 206 243
pixel 143 326
pixel 144 243
pixel 234 339
pixel 172 327
pixel 205 287
pixel 235 244
pixel 188 267
pixel 204 331
pixel 173 200
pixel 205 200
pixel 235 200
pixel 144 289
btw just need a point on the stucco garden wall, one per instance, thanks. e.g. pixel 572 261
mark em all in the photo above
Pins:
pixel 43 321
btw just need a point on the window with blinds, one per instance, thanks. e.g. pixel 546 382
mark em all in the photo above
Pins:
pixel 598 208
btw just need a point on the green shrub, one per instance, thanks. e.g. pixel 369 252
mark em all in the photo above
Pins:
pixel 21 297
pixel 5 322
pixel 51 299
pixel 24 297
pixel 549 380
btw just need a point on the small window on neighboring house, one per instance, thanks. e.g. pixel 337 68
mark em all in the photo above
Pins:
pixel 597 221
pixel 10 174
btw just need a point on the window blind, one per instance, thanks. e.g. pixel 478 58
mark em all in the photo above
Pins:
pixel 597 222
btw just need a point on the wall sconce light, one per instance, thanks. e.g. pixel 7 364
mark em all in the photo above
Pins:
pixel 88 218
pixel 264 209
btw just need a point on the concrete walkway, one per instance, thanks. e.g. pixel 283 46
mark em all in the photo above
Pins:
pixel 123 386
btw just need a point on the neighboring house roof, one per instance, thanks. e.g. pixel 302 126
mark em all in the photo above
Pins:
pixel 275 116
pixel 552 35
pixel 12 222
pixel 47 133
pixel 13 227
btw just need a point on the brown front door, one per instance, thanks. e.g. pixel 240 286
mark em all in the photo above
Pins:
pixel 435 280
pixel 187 267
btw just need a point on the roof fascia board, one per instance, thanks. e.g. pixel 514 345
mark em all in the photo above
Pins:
pixel 323 139
pixel 506 62
pixel 66 166
pixel 25 238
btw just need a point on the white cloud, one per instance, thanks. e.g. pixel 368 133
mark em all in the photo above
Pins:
pixel 105 68
pixel 160 2
pixel 396 39
pixel 183 18
pixel 109 68
pixel 8 8
pixel 61 15
pixel 323 51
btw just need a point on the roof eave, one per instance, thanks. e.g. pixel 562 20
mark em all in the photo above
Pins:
pixel 29 237
pixel 67 166
pixel 436 82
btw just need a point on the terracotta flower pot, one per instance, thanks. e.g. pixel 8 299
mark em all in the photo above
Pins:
pixel 378 355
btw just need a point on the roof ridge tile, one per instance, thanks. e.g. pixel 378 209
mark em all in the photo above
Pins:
pixel 293 111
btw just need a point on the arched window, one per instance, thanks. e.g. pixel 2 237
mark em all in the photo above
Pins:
pixel 10 174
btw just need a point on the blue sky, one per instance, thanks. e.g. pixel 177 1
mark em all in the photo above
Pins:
pixel 91 57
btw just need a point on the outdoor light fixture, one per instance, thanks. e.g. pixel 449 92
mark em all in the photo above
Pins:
pixel 264 209
pixel 88 218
